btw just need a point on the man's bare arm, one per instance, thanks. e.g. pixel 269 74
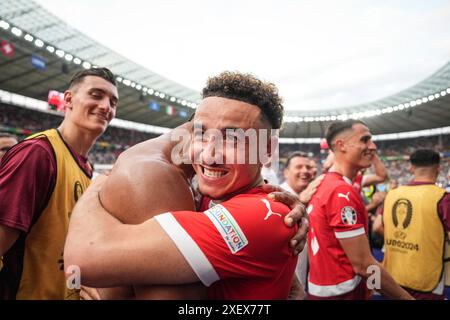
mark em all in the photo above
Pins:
pixel 139 188
pixel 109 253
pixel 379 176
pixel 358 252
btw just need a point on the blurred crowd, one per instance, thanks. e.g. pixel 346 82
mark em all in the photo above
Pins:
pixel 393 153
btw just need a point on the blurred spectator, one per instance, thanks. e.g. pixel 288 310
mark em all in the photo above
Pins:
pixel 6 142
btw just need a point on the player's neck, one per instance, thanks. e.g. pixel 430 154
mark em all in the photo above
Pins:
pixel 258 182
pixel 344 169
pixel 187 171
pixel 81 141
pixel 424 178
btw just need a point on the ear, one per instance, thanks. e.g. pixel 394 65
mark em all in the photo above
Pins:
pixel 411 168
pixel 67 99
pixel 339 145
pixel 285 173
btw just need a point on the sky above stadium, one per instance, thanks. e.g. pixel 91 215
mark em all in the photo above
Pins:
pixel 321 54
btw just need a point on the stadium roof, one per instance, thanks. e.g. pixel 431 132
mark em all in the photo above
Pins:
pixel 33 31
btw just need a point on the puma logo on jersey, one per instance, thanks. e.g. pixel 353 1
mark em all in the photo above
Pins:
pixel 266 202
pixel 341 195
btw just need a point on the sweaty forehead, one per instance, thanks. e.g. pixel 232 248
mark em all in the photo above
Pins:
pixel 221 113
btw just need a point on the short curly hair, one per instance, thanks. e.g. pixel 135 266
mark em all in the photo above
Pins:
pixel 247 88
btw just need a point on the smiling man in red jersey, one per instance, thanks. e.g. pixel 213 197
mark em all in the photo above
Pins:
pixel 238 248
pixel 338 248
pixel 41 178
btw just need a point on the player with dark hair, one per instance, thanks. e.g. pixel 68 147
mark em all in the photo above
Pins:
pixel 237 245
pixel 416 221
pixel 338 248
pixel 41 178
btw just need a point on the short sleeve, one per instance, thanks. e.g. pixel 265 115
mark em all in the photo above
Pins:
pixel 444 211
pixel 27 178
pixel 231 240
pixel 346 213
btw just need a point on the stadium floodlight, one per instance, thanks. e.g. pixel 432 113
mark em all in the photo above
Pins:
pixel 436 95
pixel 86 65
pixel 145 89
pixel 172 99
pixel 119 79
pixel 68 57
pixel 430 97
pixel 395 108
pixel 4 24
pixel 28 37
pixel 183 103
pixel 443 93
pixel 126 82
pixel 369 113
pixel 133 84
pixel 333 118
pixel 157 93
pixel 162 95
pixel 389 110
pixel 151 91
pixel 60 53
pixel 138 87
pixel 39 43
pixel 77 60
pixel 16 31
pixel 448 90
pixel 418 102
pixel 424 99
pixel 50 49
pixel 407 105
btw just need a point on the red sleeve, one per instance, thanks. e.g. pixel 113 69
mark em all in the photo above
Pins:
pixel 346 212
pixel 232 240
pixel 27 179
pixel 444 211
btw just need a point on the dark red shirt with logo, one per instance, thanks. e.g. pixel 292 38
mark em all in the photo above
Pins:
pixel 27 180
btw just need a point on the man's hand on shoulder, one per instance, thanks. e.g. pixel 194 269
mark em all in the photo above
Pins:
pixel 297 215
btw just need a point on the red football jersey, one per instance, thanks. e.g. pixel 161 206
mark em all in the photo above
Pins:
pixel 336 211
pixel 238 248
pixel 358 181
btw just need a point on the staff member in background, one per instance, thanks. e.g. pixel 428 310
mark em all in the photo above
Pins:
pixel 416 221
pixel 41 178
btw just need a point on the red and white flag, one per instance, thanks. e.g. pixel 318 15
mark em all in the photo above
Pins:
pixel 7 48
